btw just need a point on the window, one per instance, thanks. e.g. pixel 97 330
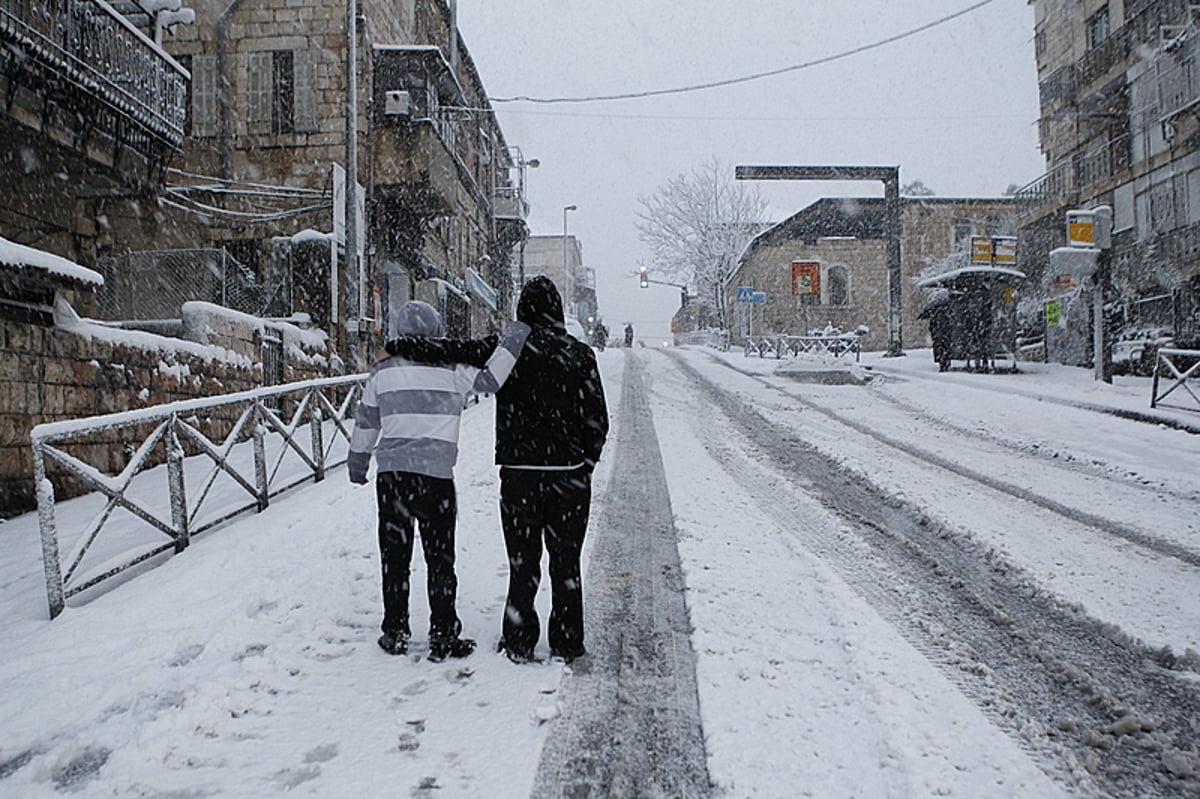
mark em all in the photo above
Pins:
pixel 280 93
pixel 839 285
pixel 1098 28
pixel 283 96
pixel 963 230
pixel 202 104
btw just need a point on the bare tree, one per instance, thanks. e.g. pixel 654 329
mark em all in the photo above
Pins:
pixel 916 188
pixel 697 225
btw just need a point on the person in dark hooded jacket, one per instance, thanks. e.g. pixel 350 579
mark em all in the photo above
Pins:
pixel 551 426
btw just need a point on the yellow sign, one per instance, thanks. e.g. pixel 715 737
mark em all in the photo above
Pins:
pixel 981 250
pixel 1006 250
pixel 1081 229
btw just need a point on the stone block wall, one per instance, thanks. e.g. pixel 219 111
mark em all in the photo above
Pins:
pixel 53 373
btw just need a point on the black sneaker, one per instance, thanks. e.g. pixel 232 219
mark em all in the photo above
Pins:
pixel 393 644
pixel 567 655
pixel 450 648
pixel 519 657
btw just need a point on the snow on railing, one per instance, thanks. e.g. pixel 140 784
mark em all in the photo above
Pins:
pixel 717 339
pixel 1170 363
pixel 791 346
pixel 104 53
pixel 259 453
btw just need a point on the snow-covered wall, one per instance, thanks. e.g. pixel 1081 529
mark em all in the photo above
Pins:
pixel 78 368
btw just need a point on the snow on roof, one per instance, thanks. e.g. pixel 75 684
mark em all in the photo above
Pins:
pixel 308 234
pixel 954 274
pixel 409 48
pixel 22 257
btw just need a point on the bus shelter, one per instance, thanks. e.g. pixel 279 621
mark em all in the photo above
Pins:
pixel 972 315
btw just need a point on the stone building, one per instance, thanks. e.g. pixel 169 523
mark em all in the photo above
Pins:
pixel 242 166
pixel 561 260
pixel 827 265
pixel 1118 91
pixel 91 111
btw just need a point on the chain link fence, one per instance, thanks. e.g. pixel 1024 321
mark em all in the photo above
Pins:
pixel 155 284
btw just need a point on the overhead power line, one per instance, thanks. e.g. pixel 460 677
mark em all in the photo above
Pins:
pixel 745 78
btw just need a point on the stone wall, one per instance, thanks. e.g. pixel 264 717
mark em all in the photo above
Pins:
pixel 78 369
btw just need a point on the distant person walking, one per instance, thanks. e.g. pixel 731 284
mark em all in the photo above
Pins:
pixel 628 334
pixel 409 418
pixel 601 336
pixel 551 425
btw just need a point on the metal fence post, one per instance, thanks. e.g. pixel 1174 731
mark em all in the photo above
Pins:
pixel 315 419
pixel 177 488
pixel 260 457
pixel 50 561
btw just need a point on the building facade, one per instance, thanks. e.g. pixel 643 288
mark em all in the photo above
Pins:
pixel 826 266
pixel 248 168
pixel 91 110
pixel 1118 91
pixel 561 259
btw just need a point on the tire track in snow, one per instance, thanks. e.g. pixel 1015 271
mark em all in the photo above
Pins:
pixel 1111 527
pixel 630 725
pixel 1092 703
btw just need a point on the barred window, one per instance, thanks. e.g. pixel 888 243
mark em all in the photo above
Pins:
pixel 1098 28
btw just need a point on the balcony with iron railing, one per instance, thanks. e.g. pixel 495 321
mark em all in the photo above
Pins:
pixel 88 45
pixel 1071 179
pixel 510 203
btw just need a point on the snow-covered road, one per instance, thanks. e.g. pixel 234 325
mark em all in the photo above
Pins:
pixel 942 525
pixel 928 585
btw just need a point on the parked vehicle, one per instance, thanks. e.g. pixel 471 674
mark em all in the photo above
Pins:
pixel 1135 349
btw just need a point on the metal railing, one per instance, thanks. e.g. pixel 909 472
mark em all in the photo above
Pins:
pixel 791 346
pixel 211 454
pixel 104 54
pixel 1068 177
pixel 717 339
pixel 1170 364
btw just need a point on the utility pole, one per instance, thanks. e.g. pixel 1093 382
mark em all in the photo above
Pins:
pixel 354 279
pixel 893 224
pixel 1101 335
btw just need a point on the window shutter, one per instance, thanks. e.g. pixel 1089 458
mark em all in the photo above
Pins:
pixel 258 92
pixel 305 111
pixel 204 95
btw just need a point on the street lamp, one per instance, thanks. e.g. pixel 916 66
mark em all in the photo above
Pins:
pixel 567 282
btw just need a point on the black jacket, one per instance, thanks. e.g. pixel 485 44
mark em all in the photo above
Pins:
pixel 551 412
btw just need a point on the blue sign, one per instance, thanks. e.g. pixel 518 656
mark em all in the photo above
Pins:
pixel 745 294
pixel 759 296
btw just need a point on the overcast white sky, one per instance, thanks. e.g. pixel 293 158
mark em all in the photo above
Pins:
pixel 955 107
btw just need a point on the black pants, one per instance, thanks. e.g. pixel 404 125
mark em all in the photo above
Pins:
pixel 551 507
pixel 406 499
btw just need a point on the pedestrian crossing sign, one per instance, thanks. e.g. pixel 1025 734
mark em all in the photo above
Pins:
pixel 745 294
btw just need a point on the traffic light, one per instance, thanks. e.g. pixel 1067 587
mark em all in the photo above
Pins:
pixel 645 279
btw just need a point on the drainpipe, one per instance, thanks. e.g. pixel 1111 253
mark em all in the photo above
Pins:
pixel 223 86
pixel 454 37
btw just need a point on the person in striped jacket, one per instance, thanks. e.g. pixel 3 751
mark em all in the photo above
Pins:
pixel 408 418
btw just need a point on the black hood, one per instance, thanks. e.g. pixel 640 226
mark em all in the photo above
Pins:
pixel 540 304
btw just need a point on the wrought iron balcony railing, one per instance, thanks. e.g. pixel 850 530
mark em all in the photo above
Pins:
pixel 90 44
pixel 1075 176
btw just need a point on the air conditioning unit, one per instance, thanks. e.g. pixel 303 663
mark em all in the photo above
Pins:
pixel 397 103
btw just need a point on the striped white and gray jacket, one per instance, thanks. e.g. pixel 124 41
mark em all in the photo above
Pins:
pixel 409 413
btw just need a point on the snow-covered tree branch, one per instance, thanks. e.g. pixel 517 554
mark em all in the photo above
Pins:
pixel 697 225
